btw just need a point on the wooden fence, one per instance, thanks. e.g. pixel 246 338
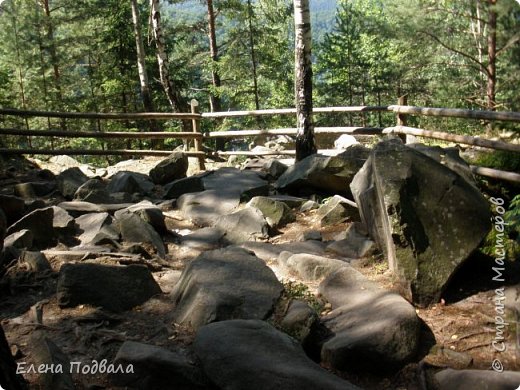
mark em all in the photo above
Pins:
pixel 401 110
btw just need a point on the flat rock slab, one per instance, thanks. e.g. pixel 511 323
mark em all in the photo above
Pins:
pixel 79 207
pixel 309 267
pixel 246 183
pixel 207 238
pixel 225 284
pixel 206 207
pixel 115 288
pixel 246 354
pixel 267 251
pixel 373 329
pixel 477 380
pixel 157 368
pixel 183 186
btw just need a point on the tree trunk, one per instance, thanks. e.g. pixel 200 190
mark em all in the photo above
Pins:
pixel 253 54
pixel 492 54
pixel 305 144
pixel 141 65
pixel 215 102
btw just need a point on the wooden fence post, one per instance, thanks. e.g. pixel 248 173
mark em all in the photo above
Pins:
pixel 401 120
pixel 196 128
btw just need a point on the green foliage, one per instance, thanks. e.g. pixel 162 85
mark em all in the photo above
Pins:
pixel 499 159
pixel 298 290
pixel 510 238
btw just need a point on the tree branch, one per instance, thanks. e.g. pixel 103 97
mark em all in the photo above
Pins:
pixel 465 55
pixel 514 39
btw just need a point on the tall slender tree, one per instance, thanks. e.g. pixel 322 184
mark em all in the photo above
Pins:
pixel 305 143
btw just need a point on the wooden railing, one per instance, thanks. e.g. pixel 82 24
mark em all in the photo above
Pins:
pixel 401 110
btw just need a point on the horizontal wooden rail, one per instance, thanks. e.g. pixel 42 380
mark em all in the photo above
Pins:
pixel 457 113
pixel 290 111
pixel 99 115
pixel 462 139
pixel 495 173
pixel 97 152
pixel 293 131
pixel 99 134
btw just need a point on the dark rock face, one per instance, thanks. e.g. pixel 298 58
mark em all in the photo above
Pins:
pixel 13 208
pixel 93 191
pixel 130 182
pixel 157 368
pixel 134 229
pixel 148 212
pixel 3 229
pixel 336 210
pixel 372 329
pixel 246 354
pixel 246 184
pixel 276 213
pixel 69 181
pixel 180 187
pixel 115 288
pixel 425 217
pixel 170 169
pixel 477 380
pixel 225 284
pixel 95 226
pixel 40 223
pixel 330 174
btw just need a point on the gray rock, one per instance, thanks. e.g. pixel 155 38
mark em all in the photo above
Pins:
pixel 22 239
pixel 372 329
pixel 291 201
pixel 237 354
pixel 77 208
pixel 13 208
pixel 69 181
pixel 425 217
pixel 353 245
pixel 267 251
pixel 44 351
pixel 331 174
pixel 134 229
pixel 309 205
pixel 93 191
pixel 157 368
pixel 95 227
pixel 183 186
pixel 310 235
pixel 299 320
pixel 225 284
pixel 344 141
pixel 247 184
pixel 274 168
pixel 336 210
pixel 247 224
pixel 207 238
pixel 40 223
pixel 130 182
pixel 277 214
pixel 115 288
pixel 172 168
pixel 450 379
pixel 62 220
pixel 206 207
pixel 35 261
pixel 309 267
pixel 148 212
pixel 31 190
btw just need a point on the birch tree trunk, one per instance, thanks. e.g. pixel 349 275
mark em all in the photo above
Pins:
pixel 215 102
pixel 492 56
pixel 170 89
pixel 305 145
pixel 141 65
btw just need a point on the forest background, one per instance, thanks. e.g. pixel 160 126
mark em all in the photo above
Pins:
pixel 81 55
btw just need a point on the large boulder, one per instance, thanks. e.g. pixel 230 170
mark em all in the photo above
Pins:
pixel 40 223
pixel 246 183
pixel 13 208
pixel 183 186
pixel 115 288
pixel 133 228
pixel 246 354
pixel 372 329
pixel 225 284
pixel 206 207
pixel 157 368
pixel 276 213
pixel 172 168
pixel 244 225
pixel 3 229
pixel 425 217
pixel 95 227
pixel 93 191
pixel 450 379
pixel 148 212
pixel 337 209
pixel 70 180
pixel 130 182
pixel 329 174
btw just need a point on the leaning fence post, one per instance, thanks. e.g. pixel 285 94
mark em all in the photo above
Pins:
pixel 196 128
